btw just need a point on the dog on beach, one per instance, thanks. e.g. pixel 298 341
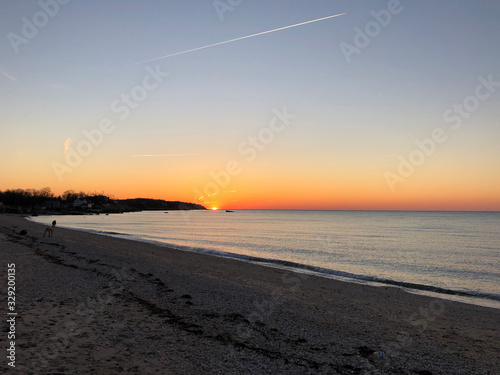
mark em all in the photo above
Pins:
pixel 48 230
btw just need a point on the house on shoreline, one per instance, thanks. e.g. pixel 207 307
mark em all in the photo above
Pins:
pixel 82 203
pixel 52 205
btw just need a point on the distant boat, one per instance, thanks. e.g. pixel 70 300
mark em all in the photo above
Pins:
pixel 166 212
pixel 229 211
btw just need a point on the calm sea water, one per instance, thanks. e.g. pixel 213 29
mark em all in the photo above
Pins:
pixel 453 254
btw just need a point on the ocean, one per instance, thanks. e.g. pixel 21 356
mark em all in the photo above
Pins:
pixel 453 255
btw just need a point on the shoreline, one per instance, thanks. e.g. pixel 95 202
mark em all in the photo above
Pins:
pixel 470 297
pixel 130 306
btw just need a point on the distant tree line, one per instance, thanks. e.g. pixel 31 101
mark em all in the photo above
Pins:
pixel 25 198
pixel 33 201
pixel 33 197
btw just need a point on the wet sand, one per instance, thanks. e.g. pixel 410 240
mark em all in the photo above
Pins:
pixel 91 304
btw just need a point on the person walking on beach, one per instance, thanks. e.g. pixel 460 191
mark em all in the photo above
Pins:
pixel 54 224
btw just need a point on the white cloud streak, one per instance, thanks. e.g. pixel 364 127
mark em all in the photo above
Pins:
pixel 12 78
pixel 161 155
pixel 67 142
pixel 236 39
pixel 58 86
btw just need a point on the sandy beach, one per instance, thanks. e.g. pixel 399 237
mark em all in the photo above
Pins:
pixel 91 304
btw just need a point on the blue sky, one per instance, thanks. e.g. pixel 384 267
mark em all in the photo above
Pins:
pixel 352 117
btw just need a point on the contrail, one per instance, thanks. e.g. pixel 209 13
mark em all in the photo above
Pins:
pixel 236 39
pixel 161 155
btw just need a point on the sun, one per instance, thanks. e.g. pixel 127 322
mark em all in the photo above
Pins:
pixel 214 208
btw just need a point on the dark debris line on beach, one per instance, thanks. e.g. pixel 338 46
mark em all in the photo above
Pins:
pixel 62 257
pixel 195 328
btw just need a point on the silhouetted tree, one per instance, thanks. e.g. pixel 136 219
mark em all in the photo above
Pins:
pixel 25 198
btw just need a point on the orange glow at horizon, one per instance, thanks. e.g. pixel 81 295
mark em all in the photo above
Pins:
pixel 334 193
pixel 346 185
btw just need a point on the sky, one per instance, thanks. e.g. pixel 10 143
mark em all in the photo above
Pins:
pixel 392 105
